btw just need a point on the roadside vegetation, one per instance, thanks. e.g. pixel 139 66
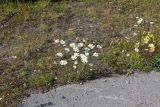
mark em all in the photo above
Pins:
pixel 46 44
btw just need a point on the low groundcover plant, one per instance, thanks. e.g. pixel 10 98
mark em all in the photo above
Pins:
pixel 139 52
pixel 77 53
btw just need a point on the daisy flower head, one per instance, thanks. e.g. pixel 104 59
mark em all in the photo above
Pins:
pixel 99 46
pixel 75 49
pixel 151 47
pixel 67 49
pixel 137 44
pixel 139 21
pixel 63 62
pixel 59 54
pixel 74 66
pixel 145 40
pixel 95 54
pixel 135 25
pixel 62 42
pixel 134 34
pixel 14 57
pixel 84 40
pixel 151 23
pixel 128 54
pixel 56 41
pixel 80 44
pixel 91 46
pixel 74 56
pixel 75 62
pixel 72 45
pixel 136 50
pixel 84 58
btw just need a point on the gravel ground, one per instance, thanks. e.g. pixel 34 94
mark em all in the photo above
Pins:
pixel 137 90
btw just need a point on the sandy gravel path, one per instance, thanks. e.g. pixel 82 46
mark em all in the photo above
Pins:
pixel 137 90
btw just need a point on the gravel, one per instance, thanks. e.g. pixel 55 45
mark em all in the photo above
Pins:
pixel 137 90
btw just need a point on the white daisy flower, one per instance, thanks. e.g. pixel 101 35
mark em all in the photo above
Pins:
pixel 59 54
pixel 62 42
pixel 91 46
pixel 128 54
pixel 151 47
pixel 95 54
pixel 80 44
pixel 84 58
pixel 134 34
pixel 140 20
pixel 84 40
pixel 72 45
pixel 75 67
pixel 99 46
pixel 137 45
pixel 75 49
pixel 74 56
pixel 67 49
pixel 75 63
pixel 146 40
pixel 14 57
pixel 151 23
pixel 135 25
pixel 136 50
pixel 63 62
pixel 56 41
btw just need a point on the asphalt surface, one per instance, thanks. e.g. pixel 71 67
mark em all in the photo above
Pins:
pixel 137 90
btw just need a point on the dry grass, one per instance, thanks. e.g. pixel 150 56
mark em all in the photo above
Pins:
pixel 27 31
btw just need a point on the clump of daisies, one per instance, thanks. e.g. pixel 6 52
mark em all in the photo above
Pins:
pixel 147 39
pixel 74 53
pixel 146 43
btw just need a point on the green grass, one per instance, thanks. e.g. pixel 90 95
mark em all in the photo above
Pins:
pixel 42 80
pixel 27 31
